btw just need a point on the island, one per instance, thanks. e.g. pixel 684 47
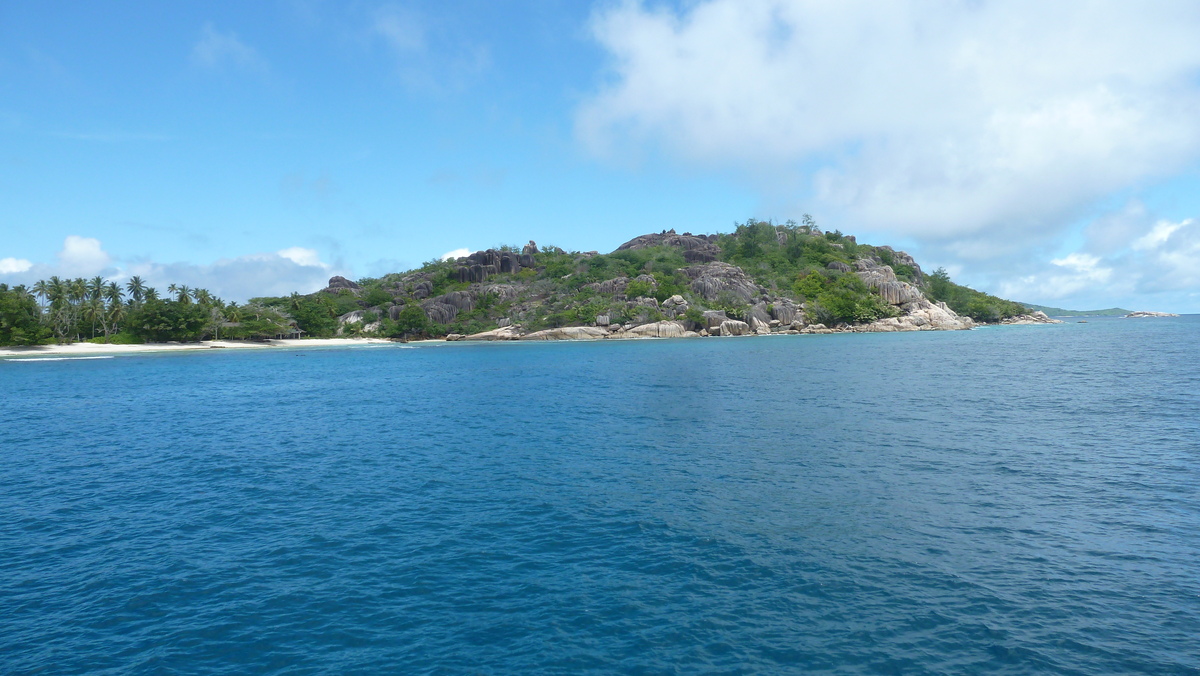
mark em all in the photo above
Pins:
pixel 760 279
pixel 1145 313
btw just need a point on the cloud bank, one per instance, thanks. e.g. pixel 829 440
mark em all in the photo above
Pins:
pixel 233 279
pixel 978 128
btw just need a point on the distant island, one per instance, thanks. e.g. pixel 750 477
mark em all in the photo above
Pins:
pixel 760 279
pixel 1144 313
pixel 1060 312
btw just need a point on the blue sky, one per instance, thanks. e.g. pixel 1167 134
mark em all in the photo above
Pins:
pixel 258 148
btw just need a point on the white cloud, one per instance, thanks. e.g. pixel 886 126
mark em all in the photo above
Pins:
pixel 1153 268
pixel 9 266
pixel 302 256
pixel 82 257
pixel 1159 235
pixel 979 127
pixel 215 49
pixel 236 279
pixel 457 253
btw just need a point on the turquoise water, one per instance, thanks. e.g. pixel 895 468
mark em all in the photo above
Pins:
pixel 1005 500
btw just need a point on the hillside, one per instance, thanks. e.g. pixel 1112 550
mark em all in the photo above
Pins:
pixel 762 278
pixel 1060 312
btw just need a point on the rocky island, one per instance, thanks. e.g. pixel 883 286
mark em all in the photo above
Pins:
pixel 1146 313
pixel 761 279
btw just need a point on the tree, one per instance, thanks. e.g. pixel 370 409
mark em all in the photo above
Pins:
pixel 20 317
pixel 411 321
pixel 137 289
pixel 160 321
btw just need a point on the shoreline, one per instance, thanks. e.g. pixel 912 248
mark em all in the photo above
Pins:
pixel 102 350
pixel 83 350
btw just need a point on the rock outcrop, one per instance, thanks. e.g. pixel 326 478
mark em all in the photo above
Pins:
pixel 338 283
pixel 732 327
pixel 711 280
pixel 883 279
pixel 1036 317
pixel 568 333
pixel 502 333
pixel 1146 313
pixel 663 329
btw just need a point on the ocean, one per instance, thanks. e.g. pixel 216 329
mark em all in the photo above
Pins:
pixel 1008 500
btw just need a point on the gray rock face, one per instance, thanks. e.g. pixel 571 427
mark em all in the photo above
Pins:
pixel 477 267
pixel 902 258
pixel 711 280
pixel 732 327
pixel 883 279
pixel 530 248
pixel 464 301
pixel 423 290
pixel 610 286
pixel 503 292
pixel 675 306
pixel 1146 313
pixel 784 310
pixel 713 320
pixel 338 282
pixel 568 333
pixel 696 248
pixel 1036 317
pixel 839 266
pixel 663 329
pixel 757 313
pixel 686 241
pixel 503 333
pixel 438 312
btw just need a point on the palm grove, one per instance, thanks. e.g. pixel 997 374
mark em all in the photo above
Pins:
pixel 96 310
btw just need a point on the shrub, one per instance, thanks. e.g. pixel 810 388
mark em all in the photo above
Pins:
pixel 638 289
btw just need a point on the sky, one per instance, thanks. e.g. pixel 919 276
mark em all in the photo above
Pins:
pixel 1044 152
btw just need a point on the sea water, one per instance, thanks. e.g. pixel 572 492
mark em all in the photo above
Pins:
pixel 1003 500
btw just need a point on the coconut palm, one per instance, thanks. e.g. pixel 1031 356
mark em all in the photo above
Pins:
pixel 150 294
pixel 42 290
pixel 95 287
pixel 137 289
pixel 183 294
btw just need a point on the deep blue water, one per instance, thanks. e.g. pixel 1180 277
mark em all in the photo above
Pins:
pixel 1005 500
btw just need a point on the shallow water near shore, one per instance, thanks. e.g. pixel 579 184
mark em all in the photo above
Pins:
pixel 1020 499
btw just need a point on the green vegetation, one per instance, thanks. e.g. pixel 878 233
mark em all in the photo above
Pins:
pixel 99 311
pixel 841 297
pixel 20 318
pixel 791 263
pixel 964 300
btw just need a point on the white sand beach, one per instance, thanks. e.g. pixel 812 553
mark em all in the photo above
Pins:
pixel 78 350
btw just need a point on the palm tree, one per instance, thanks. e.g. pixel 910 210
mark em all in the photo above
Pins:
pixel 95 287
pixel 113 294
pixel 150 294
pixel 92 310
pixel 42 289
pixel 202 296
pixel 116 308
pixel 136 288
pixel 76 294
pixel 183 294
